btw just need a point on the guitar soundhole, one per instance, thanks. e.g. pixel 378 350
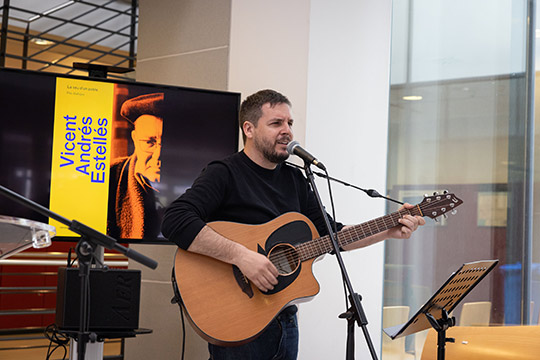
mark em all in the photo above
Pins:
pixel 285 258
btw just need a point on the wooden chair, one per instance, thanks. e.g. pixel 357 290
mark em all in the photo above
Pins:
pixel 475 314
pixel 395 349
pixel 487 342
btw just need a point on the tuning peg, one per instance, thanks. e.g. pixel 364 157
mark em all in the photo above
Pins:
pixel 453 212
pixel 445 216
pixel 436 220
pixel 445 192
pixel 435 193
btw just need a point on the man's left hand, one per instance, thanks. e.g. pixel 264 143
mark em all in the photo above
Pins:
pixel 408 225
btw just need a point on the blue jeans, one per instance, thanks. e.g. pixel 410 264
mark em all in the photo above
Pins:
pixel 279 341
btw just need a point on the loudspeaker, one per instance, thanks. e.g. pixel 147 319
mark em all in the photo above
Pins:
pixel 114 299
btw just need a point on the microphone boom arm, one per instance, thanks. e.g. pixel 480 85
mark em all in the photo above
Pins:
pixel 371 192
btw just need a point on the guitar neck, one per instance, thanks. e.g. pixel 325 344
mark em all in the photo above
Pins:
pixel 352 234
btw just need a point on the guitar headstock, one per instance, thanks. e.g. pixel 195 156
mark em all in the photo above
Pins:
pixel 439 204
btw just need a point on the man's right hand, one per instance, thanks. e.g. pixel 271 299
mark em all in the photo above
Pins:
pixel 258 269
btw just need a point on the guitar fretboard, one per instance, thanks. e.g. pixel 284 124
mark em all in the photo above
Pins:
pixel 323 245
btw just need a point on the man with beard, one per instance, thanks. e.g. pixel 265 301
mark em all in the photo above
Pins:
pixel 255 186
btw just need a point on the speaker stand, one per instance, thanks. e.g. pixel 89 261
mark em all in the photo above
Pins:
pixel 94 350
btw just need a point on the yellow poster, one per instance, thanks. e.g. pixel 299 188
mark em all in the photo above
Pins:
pixel 81 153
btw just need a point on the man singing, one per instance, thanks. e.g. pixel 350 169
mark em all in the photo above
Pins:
pixel 255 186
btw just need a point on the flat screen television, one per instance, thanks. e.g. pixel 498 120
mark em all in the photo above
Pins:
pixel 110 154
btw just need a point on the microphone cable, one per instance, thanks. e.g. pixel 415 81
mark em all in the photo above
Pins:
pixel 336 235
pixel 177 299
pixel 55 336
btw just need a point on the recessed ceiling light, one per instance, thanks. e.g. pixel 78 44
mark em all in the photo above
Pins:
pixel 42 42
pixel 412 97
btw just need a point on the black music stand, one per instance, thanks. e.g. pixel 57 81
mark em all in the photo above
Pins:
pixel 435 312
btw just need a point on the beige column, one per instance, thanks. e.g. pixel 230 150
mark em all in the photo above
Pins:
pixel 181 43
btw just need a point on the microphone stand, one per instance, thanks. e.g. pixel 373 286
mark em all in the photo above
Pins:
pixel 90 239
pixel 355 313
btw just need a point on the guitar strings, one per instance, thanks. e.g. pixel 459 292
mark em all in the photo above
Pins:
pixel 322 245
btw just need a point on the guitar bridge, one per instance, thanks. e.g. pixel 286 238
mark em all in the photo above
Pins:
pixel 242 282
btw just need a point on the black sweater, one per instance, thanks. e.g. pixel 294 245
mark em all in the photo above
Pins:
pixel 238 190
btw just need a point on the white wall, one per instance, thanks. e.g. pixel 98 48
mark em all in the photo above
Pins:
pixel 269 50
pixel 348 89
pixel 332 60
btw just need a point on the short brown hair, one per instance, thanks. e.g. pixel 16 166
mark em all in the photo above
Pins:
pixel 251 108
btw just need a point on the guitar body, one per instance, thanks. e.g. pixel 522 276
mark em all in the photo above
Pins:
pixel 225 309
pixel 220 310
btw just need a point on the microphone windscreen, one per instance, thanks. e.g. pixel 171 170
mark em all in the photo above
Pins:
pixel 291 146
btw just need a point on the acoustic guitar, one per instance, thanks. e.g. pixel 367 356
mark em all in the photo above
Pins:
pixel 225 309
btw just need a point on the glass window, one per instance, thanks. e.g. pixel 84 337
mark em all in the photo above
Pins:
pixel 459 122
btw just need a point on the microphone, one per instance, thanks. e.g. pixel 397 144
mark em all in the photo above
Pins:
pixel 294 148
